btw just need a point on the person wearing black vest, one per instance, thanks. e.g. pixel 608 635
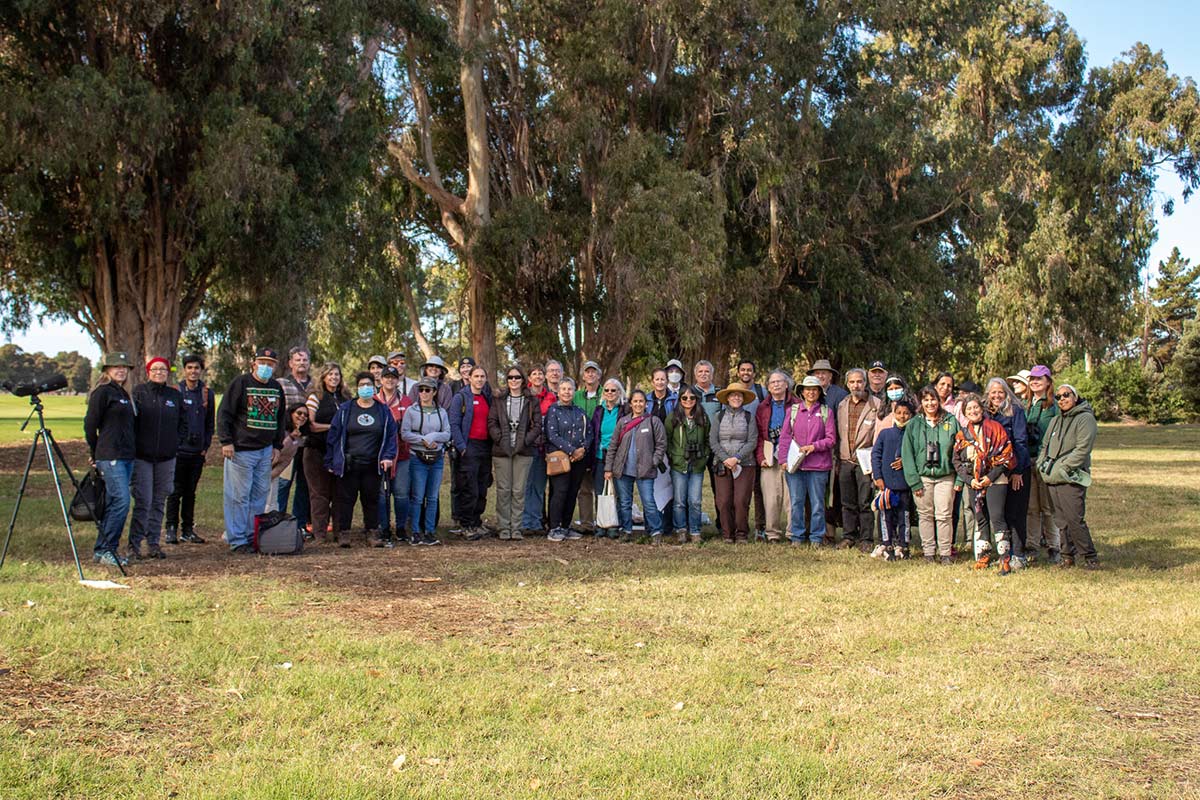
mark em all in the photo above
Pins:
pixel 199 409
pixel 160 428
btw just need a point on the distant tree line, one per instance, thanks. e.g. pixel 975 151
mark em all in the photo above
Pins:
pixel 18 366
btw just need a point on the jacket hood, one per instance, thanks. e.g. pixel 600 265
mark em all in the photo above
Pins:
pixel 1081 407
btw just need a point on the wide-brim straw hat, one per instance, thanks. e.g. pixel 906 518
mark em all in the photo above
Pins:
pixel 748 395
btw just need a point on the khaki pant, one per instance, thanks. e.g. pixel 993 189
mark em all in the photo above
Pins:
pixel 776 500
pixel 511 475
pixel 1039 521
pixel 935 507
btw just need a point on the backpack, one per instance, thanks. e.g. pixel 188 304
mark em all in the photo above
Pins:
pixel 89 502
pixel 276 533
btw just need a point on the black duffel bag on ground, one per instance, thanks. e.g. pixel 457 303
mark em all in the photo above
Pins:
pixel 88 504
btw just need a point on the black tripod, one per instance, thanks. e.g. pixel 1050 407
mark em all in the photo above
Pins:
pixel 43 434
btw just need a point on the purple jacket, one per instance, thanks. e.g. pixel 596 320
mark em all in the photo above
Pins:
pixel 816 426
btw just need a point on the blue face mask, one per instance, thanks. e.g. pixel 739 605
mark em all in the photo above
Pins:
pixel 895 394
pixel 366 392
pixel 264 371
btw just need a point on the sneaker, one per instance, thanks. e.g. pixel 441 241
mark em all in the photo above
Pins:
pixel 429 540
pixel 516 536
pixel 474 534
pixel 1020 562
pixel 457 530
pixel 155 551
pixel 845 544
pixel 134 553
pixel 888 555
pixel 170 536
pixel 505 536
pixel 414 540
pixel 343 538
pixel 696 538
pixel 865 547
pixel 681 537
pixel 242 550
pixel 930 559
pixel 572 535
pixel 656 539
pixel 1091 564
pixel 109 559
pixel 190 535
pixel 1006 565
pixel 307 536
pixel 389 543
pixel 947 561
pixel 556 535
pixel 880 552
pixel 627 537
pixel 983 561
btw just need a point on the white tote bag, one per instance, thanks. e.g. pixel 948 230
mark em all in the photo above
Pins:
pixel 606 508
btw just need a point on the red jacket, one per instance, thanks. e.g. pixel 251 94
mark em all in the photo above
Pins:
pixel 762 415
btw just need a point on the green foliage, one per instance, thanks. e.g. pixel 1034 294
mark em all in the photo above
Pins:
pixel 1186 366
pixel 1174 296
pixel 1122 389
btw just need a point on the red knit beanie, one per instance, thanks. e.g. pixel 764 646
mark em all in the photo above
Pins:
pixel 157 360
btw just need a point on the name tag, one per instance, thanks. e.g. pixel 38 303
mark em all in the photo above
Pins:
pixel 643 430
pixel 170 403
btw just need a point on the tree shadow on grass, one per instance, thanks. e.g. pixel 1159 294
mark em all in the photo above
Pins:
pixel 1155 554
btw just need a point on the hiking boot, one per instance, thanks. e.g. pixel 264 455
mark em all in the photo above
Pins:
pixel 155 551
pixel 773 538
pixel 343 538
pixel 190 535
pixel 864 547
pixel 505 536
pixel 983 562
pixel 930 559
pixel 374 539
pixel 170 536
pixel 681 537
pixel 516 536
pixel 1091 564
pixel 242 550
pixel 475 534
pixel 845 544
pixel 1021 562
pixel 696 538
pixel 1006 565
pixel 1067 562
pixel 134 552
pixel 947 561
pixel 656 539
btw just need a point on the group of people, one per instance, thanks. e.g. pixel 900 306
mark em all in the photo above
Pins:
pixel 866 455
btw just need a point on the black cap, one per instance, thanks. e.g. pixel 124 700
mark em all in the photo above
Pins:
pixel 267 352
pixel 466 360
pixel 390 372
pixel 876 365
pixel 969 386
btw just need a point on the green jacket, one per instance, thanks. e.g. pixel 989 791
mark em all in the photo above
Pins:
pixel 679 436
pixel 1066 454
pixel 1037 419
pixel 912 450
pixel 588 404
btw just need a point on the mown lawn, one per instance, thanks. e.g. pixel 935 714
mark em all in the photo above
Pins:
pixel 620 671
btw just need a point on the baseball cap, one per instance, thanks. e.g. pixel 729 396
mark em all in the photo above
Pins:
pixel 877 365
pixel 268 353
pixel 1040 371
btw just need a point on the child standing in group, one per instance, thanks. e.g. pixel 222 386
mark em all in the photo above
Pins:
pixel 886 466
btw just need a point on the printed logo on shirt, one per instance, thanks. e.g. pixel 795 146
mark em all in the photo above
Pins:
pixel 170 403
pixel 124 402
pixel 262 408
pixel 189 401
pixel 366 420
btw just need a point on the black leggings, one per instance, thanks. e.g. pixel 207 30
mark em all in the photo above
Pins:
pixel 562 499
pixel 360 482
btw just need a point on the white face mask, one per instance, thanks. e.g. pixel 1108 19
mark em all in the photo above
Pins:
pixel 674 378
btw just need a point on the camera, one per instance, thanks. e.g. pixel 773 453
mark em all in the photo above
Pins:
pixel 933 455
pixel 692 452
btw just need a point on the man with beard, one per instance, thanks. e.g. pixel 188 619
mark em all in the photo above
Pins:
pixel 856 419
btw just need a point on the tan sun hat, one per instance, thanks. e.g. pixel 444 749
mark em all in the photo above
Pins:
pixel 747 393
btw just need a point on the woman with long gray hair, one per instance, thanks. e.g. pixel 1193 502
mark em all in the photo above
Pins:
pixel 1003 406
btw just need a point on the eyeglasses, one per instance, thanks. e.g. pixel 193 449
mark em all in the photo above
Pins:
pixel 513 377
pixel 159 369
pixel 688 399
pixel 425 390
pixel 610 390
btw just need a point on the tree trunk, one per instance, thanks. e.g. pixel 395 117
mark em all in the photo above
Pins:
pixel 414 321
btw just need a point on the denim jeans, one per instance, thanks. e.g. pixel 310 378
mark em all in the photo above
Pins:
pixel 807 485
pixel 688 488
pixel 645 486
pixel 535 495
pixel 398 488
pixel 247 481
pixel 425 481
pixel 117 477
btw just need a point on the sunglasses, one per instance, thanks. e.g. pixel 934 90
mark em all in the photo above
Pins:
pixel 424 390
pixel 610 391
pixel 687 399
pixel 1061 396
pixel 513 377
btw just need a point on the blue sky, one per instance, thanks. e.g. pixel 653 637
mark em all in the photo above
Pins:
pixel 1108 27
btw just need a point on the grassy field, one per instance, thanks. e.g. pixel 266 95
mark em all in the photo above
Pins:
pixel 532 670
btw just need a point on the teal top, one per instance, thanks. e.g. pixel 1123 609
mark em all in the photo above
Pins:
pixel 608 426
